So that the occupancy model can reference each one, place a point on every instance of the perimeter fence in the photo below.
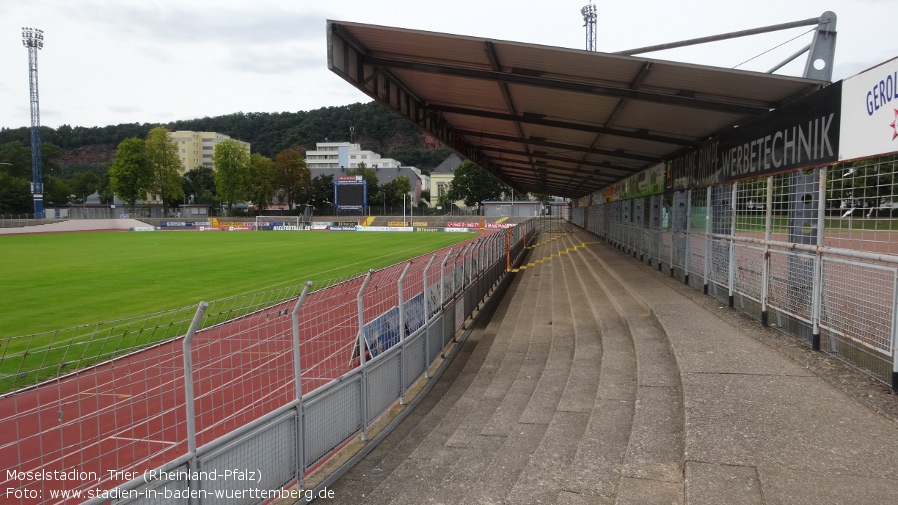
(813, 252)
(240, 397)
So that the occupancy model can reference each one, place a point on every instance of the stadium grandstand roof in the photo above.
(550, 120)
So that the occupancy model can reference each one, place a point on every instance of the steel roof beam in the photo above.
(541, 81)
(539, 155)
(567, 125)
(717, 38)
(558, 173)
(559, 145)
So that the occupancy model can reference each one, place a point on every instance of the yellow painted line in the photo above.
(502, 220)
(118, 395)
(551, 256)
(550, 240)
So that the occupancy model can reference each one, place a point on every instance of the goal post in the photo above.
(271, 222)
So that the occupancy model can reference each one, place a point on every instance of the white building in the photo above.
(334, 158)
(345, 155)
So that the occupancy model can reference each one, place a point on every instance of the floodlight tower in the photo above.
(33, 39)
(589, 21)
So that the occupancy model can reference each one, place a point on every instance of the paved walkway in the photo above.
(71, 225)
(592, 382)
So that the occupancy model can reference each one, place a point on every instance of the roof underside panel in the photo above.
(556, 121)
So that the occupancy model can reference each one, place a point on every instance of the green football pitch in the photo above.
(54, 281)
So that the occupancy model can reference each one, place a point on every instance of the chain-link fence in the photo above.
(814, 252)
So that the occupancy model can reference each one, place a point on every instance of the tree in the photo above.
(291, 175)
(19, 158)
(162, 158)
(473, 185)
(15, 195)
(107, 196)
(320, 192)
(370, 176)
(56, 191)
(261, 169)
(84, 184)
(395, 191)
(232, 172)
(199, 185)
(129, 175)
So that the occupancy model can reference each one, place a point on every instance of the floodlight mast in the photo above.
(589, 22)
(33, 39)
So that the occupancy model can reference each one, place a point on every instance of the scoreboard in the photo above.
(350, 194)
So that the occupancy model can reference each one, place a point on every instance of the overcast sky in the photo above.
(154, 61)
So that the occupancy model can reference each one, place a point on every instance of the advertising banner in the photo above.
(291, 227)
(869, 123)
(803, 133)
(184, 224)
(384, 228)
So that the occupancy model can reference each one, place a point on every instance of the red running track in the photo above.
(129, 414)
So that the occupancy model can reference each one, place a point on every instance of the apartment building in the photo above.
(196, 148)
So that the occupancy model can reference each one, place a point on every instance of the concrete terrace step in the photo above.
(654, 463)
(554, 404)
(565, 396)
(759, 427)
(416, 442)
(522, 418)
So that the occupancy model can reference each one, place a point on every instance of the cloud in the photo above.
(192, 22)
(277, 60)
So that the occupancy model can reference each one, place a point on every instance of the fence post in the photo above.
(297, 372)
(189, 396)
(443, 278)
(294, 317)
(672, 232)
(443, 290)
(508, 249)
(707, 266)
(427, 319)
(362, 361)
(687, 248)
(731, 270)
(456, 288)
(765, 273)
(816, 294)
(895, 338)
(401, 296)
(464, 268)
